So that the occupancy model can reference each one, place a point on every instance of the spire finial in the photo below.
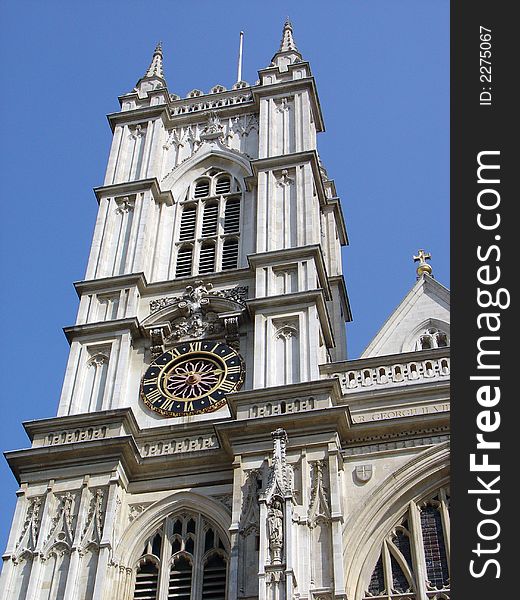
(156, 66)
(287, 44)
(423, 266)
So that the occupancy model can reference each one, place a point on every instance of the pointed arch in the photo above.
(209, 155)
(134, 538)
(385, 507)
(409, 342)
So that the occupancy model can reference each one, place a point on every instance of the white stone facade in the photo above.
(322, 478)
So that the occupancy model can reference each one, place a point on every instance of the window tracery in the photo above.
(432, 337)
(418, 545)
(185, 559)
(209, 225)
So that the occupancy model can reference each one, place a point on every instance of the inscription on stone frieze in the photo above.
(178, 446)
(402, 412)
(76, 435)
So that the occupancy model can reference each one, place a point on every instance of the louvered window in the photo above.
(223, 185)
(188, 222)
(179, 587)
(191, 563)
(210, 219)
(184, 260)
(210, 213)
(202, 188)
(207, 258)
(147, 577)
(232, 216)
(230, 254)
(214, 580)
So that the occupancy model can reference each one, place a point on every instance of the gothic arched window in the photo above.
(208, 233)
(421, 537)
(432, 337)
(185, 558)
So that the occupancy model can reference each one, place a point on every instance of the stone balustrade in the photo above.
(385, 372)
(201, 103)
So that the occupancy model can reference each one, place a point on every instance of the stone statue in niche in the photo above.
(275, 531)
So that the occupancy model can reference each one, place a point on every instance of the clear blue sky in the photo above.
(382, 71)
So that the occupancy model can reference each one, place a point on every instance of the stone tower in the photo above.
(211, 440)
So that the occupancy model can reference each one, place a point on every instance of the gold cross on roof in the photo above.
(423, 267)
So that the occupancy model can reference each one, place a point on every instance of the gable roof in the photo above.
(427, 303)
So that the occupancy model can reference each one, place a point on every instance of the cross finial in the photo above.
(423, 266)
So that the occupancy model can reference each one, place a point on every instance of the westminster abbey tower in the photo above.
(212, 441)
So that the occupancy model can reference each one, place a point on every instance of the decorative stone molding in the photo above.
(30, 530)
(92, 532)
(99, 359)
(280, 407)
(244, 124)
(195, 326)
(283, 105)
(157, 336)
(395, 445)
(179, 446)
(287, 330)
(70, 436)
(226, 500)
(137, 132)
(194, 104)
(213, 128)
(125, 204)
(280, 481)
(283, 179)
(200, 312)
(398, 435)
(237, 294)
(136, 510)
(319, 508)
(61, 533)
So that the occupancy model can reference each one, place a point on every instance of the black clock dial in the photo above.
(192, 378)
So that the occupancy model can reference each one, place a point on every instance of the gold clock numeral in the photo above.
(196, 346)
(152, 381)
(188, 405)
(227, 386)
(154, 396)
(167, 405)
(234, 369)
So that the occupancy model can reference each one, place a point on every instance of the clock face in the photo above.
(192, 378)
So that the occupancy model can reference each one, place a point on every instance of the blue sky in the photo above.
(382, 71)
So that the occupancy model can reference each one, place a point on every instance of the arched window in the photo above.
(207, 257)
(184, 261)
(214, 578)
(432, 337)
(422, 536)
(229, 254)
(210, 222)
(184, 559)
(202, 188)
(180, 578)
